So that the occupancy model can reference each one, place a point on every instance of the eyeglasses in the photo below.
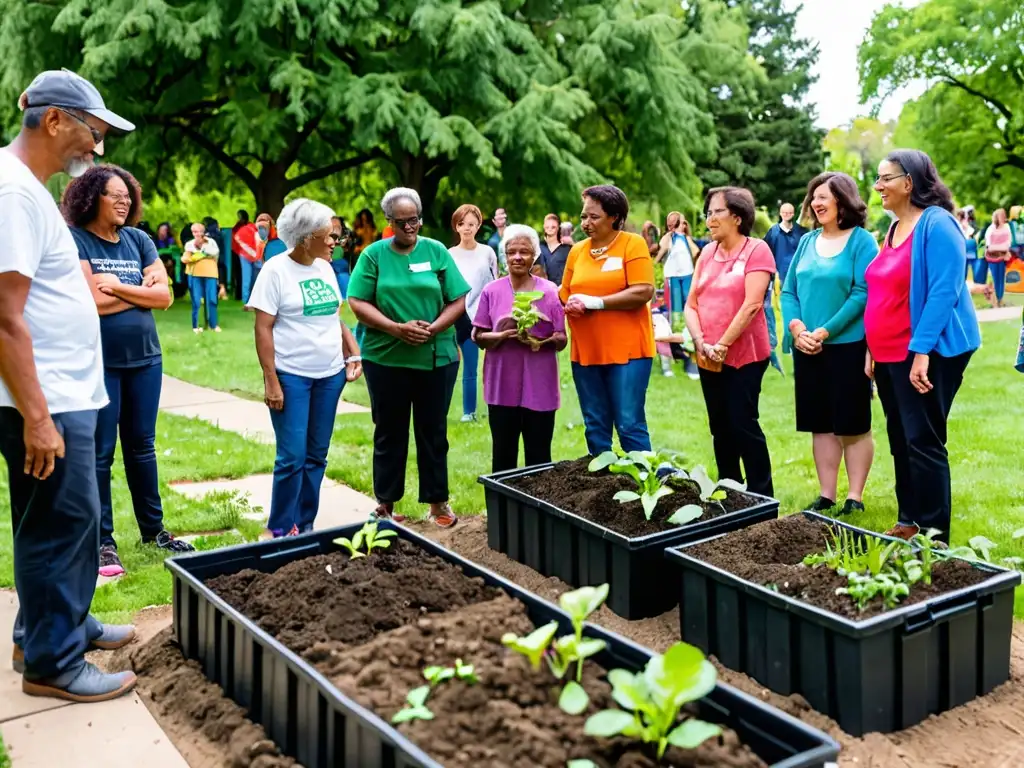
(889, 177)
(118, 198)
(96, 135)
(334, 237)
(406, 223)
(715, 213)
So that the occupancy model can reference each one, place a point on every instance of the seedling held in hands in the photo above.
(523, 312)
(651, 701)
(369, 537)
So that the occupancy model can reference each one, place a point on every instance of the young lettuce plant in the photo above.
(637, 465)
(369, 537)
(712, 492)
(579, 604)
(651, 701)
(523, 312)
(415, 706)
(534, 645)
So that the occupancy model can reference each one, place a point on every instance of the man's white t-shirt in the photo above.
(305, 301)
(60, 311)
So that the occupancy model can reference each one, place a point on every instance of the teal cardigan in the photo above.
(828, 293)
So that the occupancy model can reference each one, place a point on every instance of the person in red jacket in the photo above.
(244, 244)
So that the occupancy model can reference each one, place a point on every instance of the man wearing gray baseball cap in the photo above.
(51, 388)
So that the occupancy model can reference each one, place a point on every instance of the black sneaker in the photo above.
(164, 540)
(851, 506)
(821, 504)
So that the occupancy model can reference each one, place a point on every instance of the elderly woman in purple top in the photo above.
(521, 386)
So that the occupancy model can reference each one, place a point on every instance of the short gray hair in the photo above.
(392, 196)
(300, 219)
(521, 232)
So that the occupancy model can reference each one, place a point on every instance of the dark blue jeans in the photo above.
(134, 403)
(204, 288)
(470, 366)
(616, 395)
(303, 429)
(56, 545)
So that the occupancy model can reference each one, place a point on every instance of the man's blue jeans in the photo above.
(303, 429)
(249, 272)
(134, 403)
(614, 394)
(204, 288)
(470, 366)
(56, 524)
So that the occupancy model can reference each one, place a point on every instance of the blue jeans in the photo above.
(134, 403)
(998, 271)
(470, 366)
(614, 394)
(341, 271)
(249, 271)
(204, 288)
(303, 430)
(678, 290)
(56, 545)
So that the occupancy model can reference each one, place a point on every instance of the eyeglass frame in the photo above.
(890, 177)
(404, 224)
(96, 135)
(714, 213)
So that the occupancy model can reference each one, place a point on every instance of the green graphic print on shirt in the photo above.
(318, 298)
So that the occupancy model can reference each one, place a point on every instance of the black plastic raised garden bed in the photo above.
(558, 543)
(314, 722)
(884, 673)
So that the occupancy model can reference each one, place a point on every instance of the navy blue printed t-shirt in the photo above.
(129, 337)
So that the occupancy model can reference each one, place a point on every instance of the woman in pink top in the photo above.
(998, 241)
(730, 335)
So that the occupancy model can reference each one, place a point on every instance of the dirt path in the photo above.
(984, 733)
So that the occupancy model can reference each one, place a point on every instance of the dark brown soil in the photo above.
(404, 610)
(570, 486)
(772, 553)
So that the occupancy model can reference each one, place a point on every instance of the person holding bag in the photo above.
(724, 314)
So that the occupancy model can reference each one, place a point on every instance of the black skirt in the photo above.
(833, 396)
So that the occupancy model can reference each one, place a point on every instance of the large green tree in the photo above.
(971, 119)
(529, 96)
(858, 148)
(764, 122)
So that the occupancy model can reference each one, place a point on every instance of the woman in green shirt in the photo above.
(823, 302)
(408, 292)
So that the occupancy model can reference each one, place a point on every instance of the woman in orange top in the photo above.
(606, 287)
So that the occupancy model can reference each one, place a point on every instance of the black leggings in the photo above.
(509, 423)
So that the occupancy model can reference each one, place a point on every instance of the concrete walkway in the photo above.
(992, 315)
(44, 733)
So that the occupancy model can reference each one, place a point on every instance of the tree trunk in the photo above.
(271, 189)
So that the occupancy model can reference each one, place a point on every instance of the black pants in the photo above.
(395, 394)
(731, 396)
(537, 428)
(916, 425)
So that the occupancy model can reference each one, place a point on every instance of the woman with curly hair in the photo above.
(128, 283)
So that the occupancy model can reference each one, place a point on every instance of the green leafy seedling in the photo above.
(574, 700)
(465, 672)
(437, 675)
(416, 706)
(686, 514)
(523, 312)
(353, 544)
(983, 546)
(534, 645)
(369, 537)
(651, 701)
(579, 604)
(602, 461)
(710, 490)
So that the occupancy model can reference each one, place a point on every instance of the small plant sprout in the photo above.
(686, 514)
(534, 645)
(368, 537)
(651, 701)
(523, 312)
(415, 706)
(709, 490)
(437, 675)
(580, 604)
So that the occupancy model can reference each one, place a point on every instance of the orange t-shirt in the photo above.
(609, 335)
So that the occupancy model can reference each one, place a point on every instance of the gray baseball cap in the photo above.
(63, 88)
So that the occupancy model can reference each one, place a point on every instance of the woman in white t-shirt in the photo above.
(478, 265)
(307, 355)
(678, 252)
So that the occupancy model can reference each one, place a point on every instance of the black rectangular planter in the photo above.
(579, 552)
(884, 673)
(314, 722)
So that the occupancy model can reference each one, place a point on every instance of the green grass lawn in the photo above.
(5, 761)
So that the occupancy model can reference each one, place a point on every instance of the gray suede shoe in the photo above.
(86, 685)
(114, 636)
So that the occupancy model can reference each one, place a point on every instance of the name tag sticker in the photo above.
(611, 264)
(423, 266)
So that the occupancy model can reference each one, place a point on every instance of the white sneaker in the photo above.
(468, 418)
(217, 329)
(197, 331)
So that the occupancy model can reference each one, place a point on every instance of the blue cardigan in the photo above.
(942, 317)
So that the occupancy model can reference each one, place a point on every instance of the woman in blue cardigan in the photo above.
(921, 332)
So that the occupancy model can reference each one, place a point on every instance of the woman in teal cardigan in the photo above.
(921, 330)
(823, 302)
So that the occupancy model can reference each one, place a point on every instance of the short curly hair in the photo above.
(81, 201)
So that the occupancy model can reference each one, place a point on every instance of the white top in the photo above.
(679, 262)
(305, 301)
(830, 247)
(60, 310)
(478, 267)
(209, 247)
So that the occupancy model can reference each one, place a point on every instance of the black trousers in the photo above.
(916, 425)
(395, 394)
(732, 396)
(508, 424)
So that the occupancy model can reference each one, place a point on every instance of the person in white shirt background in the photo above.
(51, 390)
(201, 254)
(307, 355)
(478, 265)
